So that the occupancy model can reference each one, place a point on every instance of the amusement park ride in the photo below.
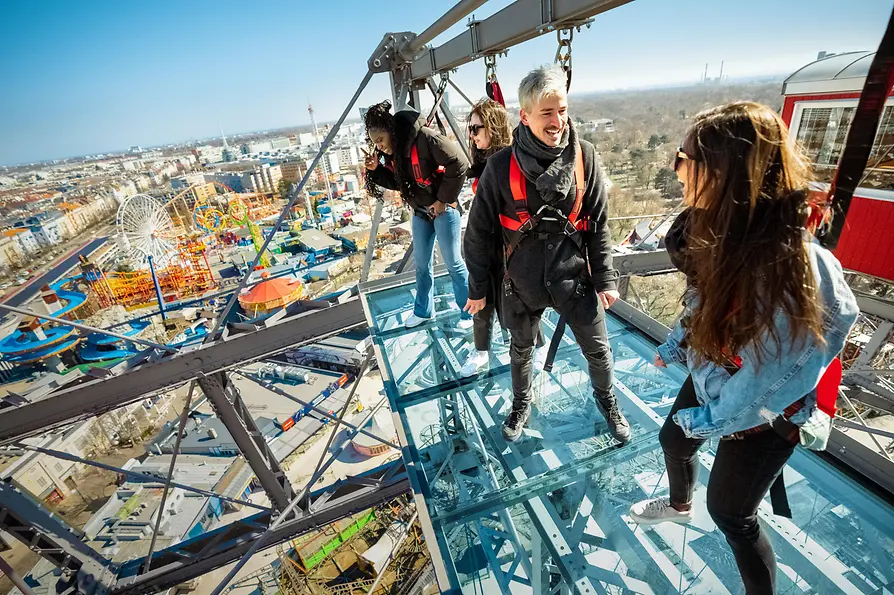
(547, 514)
(161, 257)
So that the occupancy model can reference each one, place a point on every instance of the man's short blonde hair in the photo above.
(546, 81)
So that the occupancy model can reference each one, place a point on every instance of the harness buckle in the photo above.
(528, 225)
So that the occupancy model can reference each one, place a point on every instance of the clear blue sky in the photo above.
(97, 76)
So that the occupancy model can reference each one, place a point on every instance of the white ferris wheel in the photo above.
(145, 230)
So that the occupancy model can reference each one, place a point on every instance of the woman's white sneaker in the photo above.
(414, 320)
(464, 324)
(658, 510)
(476, 362)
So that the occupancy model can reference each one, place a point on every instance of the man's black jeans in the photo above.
(592, 337)
(742, 474)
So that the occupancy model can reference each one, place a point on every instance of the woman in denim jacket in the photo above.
(766, 312)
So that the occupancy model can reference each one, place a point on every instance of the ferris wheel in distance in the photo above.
(145, 230)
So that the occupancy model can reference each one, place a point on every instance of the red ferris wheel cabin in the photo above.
(820, 102)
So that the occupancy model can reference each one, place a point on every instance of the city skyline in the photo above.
(100, 78)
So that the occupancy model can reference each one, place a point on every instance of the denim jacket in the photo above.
(754, 396)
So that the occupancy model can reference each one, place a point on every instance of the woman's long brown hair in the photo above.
(496, 122)
(747, 235)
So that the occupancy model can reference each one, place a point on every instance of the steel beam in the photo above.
(876, 306)
(371, 243)
(228, 404)
(450, 18)
(51, 538)
(212, 550)
(85, 400)
(520, 21)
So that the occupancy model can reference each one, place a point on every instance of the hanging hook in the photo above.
(563, 52)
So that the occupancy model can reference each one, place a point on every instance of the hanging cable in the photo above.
(563, 53)
(491, 86)
(439, 97)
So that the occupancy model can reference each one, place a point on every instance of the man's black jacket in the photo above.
(544, 269)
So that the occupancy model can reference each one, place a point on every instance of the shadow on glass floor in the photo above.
(549, 512)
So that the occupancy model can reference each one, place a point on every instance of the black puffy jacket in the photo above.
(434, 150)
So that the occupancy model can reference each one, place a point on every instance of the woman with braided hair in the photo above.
(428, 170)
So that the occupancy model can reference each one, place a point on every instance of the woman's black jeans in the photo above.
(742, 474)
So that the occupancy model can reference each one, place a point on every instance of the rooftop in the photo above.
(835, 73)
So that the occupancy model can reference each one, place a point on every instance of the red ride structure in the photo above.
(820, 104)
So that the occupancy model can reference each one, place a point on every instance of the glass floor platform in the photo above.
(548, 514)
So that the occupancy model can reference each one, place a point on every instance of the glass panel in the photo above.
(499, 511)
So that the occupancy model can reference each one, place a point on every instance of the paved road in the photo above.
(62, 266)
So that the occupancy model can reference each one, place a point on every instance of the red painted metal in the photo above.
(867, 242)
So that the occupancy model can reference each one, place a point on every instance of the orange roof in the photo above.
(14, 231)
(271, 291)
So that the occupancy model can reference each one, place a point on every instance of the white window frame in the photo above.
(798, 110)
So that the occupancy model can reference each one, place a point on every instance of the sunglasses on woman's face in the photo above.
(475, 128)
(680, 157)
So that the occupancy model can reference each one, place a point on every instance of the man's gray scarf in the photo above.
(550, 168)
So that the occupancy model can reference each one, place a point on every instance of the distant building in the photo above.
(10, 254)
(24, 239)
(316, 242)
(352, 185)
(260, 147)
(264, 178)
(45, 477)
(291, 171)
(280, 143)
(209, 154)
(307, 139)
(349, 156)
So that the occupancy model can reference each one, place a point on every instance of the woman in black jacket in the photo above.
(428, 169)
(489, 132)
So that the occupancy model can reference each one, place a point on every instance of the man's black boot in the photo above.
(515, 421)
(617, 423)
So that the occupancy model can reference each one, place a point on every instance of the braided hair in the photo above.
(379, 117)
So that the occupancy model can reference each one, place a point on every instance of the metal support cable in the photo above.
(134, 475)
(261, 540)
(184, 415)
(14, 576)
(364, 366)
(451, 120)
(460, 91)
(294, 195)
(672, 213)
(272, 388)
(371, 241)
(88, 328)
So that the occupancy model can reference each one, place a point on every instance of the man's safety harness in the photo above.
(525, 223)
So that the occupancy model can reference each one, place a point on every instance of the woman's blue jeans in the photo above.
(446, 228)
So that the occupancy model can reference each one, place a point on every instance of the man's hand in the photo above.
(475, 306)
(659, 363)
(608, 298)
(438, 209)
(371, 162)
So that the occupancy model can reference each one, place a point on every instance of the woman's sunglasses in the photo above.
(475, 128)
(680, 157)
